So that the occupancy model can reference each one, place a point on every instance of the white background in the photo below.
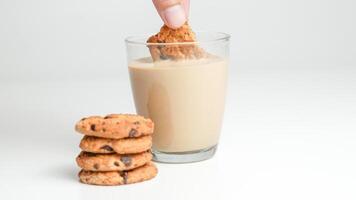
(290, 122)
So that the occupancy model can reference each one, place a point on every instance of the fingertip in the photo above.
(174, 17)
(186, 6)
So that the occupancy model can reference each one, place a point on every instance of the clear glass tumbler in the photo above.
(184, 98)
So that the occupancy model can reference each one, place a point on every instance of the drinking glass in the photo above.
(185, 98)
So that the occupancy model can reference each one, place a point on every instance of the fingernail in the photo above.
(174, 16)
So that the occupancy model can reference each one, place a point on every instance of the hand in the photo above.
(174, 13)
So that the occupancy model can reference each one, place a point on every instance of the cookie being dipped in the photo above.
(179, 44)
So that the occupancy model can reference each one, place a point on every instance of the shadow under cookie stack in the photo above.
(115, 149)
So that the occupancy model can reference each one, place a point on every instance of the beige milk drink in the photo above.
(185, 99)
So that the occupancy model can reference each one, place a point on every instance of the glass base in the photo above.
(184, 157)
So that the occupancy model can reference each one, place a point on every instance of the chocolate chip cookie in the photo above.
(120, 146)
(143, 173)
(175, 51)
(112, 162)
(115, 126)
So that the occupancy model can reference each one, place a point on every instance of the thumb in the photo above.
(173, 12)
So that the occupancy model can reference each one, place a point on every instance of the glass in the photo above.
(184, 98)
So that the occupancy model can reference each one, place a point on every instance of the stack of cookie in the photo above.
(116, 149)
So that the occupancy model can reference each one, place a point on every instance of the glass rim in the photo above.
(135, 39)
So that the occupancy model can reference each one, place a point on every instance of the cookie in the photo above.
(112, 162)
(115, 126)
(175, 51)
(140, 174)
(120, 146)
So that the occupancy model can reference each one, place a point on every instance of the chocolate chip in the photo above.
(104, 129)
(89, 154)
(107, 148)
(124, 176)
(126, 160)
(133, 132)
(92, 127)
(83, 119)
(163, 57)
(136, 123)
(116, 163)
(96, 166)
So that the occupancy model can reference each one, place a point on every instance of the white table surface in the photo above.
(288, 134)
